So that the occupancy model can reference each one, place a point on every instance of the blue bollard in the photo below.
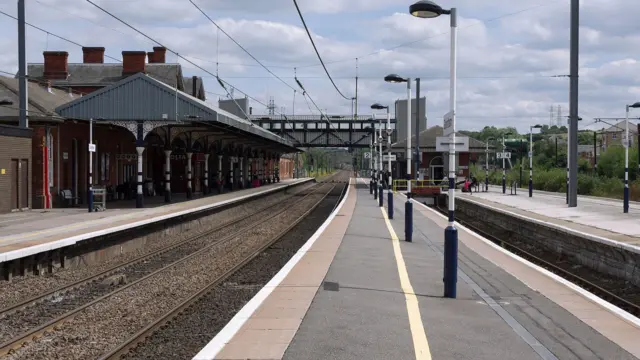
(504, 185)
(390, 204)
(530, 187)
(450, 261)
(408, 220)
(375, 190)
(380, 196)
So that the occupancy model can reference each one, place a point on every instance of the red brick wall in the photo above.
(112, 140)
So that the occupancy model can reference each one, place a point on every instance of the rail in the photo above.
(17, 341)
(141, 336)
(632, 306)
(421, 187)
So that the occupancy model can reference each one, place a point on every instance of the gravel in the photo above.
(184, 336)
(22, 288)
(99, 327)
(40, 313)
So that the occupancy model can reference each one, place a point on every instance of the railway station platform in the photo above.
(357, 290)
(594, 216)
(28, 233)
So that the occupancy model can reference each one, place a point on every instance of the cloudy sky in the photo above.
(509, 51)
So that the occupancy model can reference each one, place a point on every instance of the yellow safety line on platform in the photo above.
(420, 343)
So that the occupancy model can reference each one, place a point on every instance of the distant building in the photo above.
(614, 135)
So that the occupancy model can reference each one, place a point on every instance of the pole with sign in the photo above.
(92, 149)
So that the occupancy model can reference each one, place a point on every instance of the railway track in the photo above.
(616, 291)
(123, 350)
(35, 317)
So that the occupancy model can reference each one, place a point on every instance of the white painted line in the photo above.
(16, 254)
(605, 304)
(225, 335)
(568, 230)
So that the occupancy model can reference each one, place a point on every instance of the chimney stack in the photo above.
(93, 55)
(160, 54)
(151, 57)
(133, 62)
(195, 86)
(56, 65)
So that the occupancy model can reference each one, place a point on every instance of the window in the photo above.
(614, 136)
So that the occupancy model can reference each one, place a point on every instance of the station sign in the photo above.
(503, 155)
(448, 124)
(443, 144)
(367, 155)
(385, 157)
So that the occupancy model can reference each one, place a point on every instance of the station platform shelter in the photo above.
(149, 139)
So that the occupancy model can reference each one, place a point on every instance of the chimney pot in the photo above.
(56, 65)
(93, 55)
(160, 54)
(133, 62)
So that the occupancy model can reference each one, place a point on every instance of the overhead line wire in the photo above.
(52, 34)
(316, 49)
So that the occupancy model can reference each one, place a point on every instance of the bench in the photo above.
(67, 197)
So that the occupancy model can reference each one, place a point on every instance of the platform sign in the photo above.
(530, 153)
(385, 157)
(92, 147)
(443, 143)
(504, 155)
(448, 124)
(367, 155)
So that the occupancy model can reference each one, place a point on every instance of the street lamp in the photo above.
(371, 182)
(408, 206)
(569, 159)
(626, 157)
(504, 169)
(376, 181)
(378, 106)
(486, 161)
(428, 9)
(531, 157)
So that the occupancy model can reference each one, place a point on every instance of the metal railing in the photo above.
(418, 186)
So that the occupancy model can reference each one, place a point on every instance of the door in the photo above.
(24, 184)
(15, 184)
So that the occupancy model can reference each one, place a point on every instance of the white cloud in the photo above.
(504, 60)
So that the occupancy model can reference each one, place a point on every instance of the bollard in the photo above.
(504, 185)
(375, 190)
(530, 186)
(390, 204)
(408, 219)
(380, 196)
(370, 186)
(450, 261)
(486, 184)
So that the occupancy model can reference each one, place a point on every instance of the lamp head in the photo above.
(635, 105)
(378, 106)
(394, 78)
(426, 9)
(537, 126)
(6, 102)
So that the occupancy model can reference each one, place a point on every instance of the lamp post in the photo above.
(378, 106)
(428, 9)
(504, 168)
(375, 164)
(531, 157)
(570, 200)
(371, 166)
(626, 157)
(92, 149)
(486, 168)
(408, 206)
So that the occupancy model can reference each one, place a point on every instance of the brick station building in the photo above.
(60, 143)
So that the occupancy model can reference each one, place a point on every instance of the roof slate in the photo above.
(107, 74)
(42, 101)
